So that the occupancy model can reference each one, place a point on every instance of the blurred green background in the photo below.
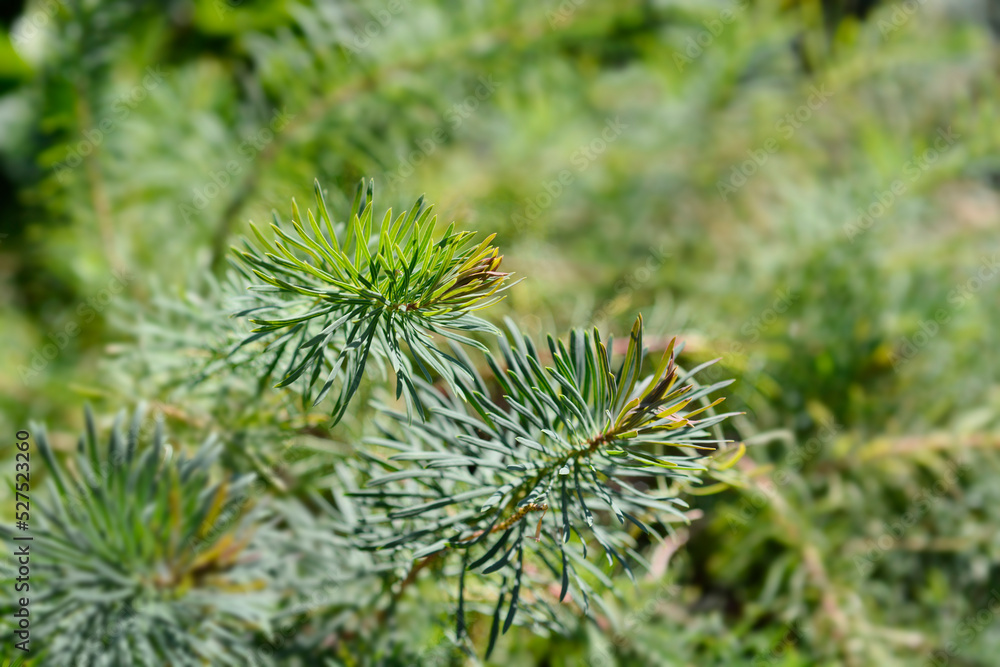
(808, 190)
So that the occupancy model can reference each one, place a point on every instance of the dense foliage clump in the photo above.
(805, 191)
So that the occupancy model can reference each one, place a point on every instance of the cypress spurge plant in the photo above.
(349, 290)
(570, 451)
(133, 565)
(522, 477)
(514, 473)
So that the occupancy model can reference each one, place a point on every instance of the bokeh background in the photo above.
(809, 190)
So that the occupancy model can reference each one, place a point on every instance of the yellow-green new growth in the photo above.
(348, 290)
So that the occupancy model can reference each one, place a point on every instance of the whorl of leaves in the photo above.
(141, 565)
(339, 292)
(572, 448)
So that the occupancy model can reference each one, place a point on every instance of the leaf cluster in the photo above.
(569, 451)
(139, 565)
(340, 292)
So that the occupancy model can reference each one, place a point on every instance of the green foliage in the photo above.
(575, 444)
(355, 289)
(574, 436)
(134, 567)
(497, 108)
(563, 437)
